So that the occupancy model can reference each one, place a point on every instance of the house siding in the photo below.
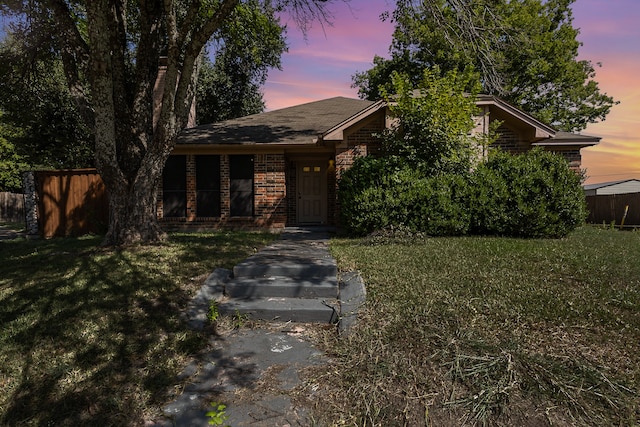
(510, 141)
(572, 156)
(359, 143)
(270, 190)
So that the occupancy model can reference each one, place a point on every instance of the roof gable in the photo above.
(336, 133)
(541, 130)
(544, 135)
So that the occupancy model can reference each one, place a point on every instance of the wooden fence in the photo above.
(71, 202)
(609, 209)
(11, 207)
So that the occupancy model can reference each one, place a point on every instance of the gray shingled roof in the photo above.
(300, 124)
(568, 139)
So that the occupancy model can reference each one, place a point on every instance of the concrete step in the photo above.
(318, 310)
(285, 268)
(288, 259)
(282, 287)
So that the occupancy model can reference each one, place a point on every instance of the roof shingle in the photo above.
(300, 124)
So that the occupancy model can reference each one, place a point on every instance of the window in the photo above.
(241, 185)
(208, 186)
(174, 187)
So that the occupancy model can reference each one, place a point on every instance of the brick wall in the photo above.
(572, 156)
(510, 141)
(270, 190)
(359, 144)
(291, 181)
(191, 187)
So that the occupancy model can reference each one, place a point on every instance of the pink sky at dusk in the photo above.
(322, 66)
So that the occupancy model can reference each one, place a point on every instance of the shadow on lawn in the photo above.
(92, 336)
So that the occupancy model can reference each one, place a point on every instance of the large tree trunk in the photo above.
(129, 155)
(132, 215)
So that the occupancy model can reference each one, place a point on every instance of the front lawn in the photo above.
(91, 336)
(485, 330)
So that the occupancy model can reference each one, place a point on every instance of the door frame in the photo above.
(323, 164)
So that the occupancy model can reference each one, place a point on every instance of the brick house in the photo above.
(281, 168)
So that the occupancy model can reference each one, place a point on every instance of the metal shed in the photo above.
(615, 187)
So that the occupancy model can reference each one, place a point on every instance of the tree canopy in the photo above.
(11, 162)
(36, 100)
(525, 50)
(433, 132)
(230, 86)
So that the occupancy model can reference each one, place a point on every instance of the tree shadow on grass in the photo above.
(91, 336)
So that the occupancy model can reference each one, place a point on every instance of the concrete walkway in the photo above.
(259, 373)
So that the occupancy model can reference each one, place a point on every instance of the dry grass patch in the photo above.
(490, 331)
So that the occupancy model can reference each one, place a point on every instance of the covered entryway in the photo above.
(312, 191)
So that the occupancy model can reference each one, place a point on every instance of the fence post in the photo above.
(30, 204)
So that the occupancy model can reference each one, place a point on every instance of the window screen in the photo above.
(174, 187)
(241, 185)
(208, 186)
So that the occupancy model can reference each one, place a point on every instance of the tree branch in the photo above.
(75, 57)
(99, 13)
(147, 56)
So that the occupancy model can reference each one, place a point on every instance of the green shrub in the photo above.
(488, 199)
(433, 131)
(437, 206)
(366, 202)
(376, 194)
(529, 195)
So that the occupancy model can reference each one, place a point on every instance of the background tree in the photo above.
(230, 86)
(525, 50)
(11, 162)
(117, 44)
(37, 101)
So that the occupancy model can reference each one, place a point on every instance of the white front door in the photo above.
(312, 192)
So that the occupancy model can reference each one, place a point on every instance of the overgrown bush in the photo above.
(433, 131)
(437, 205)
(376, 194)
(529, 195)
(366, 202)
